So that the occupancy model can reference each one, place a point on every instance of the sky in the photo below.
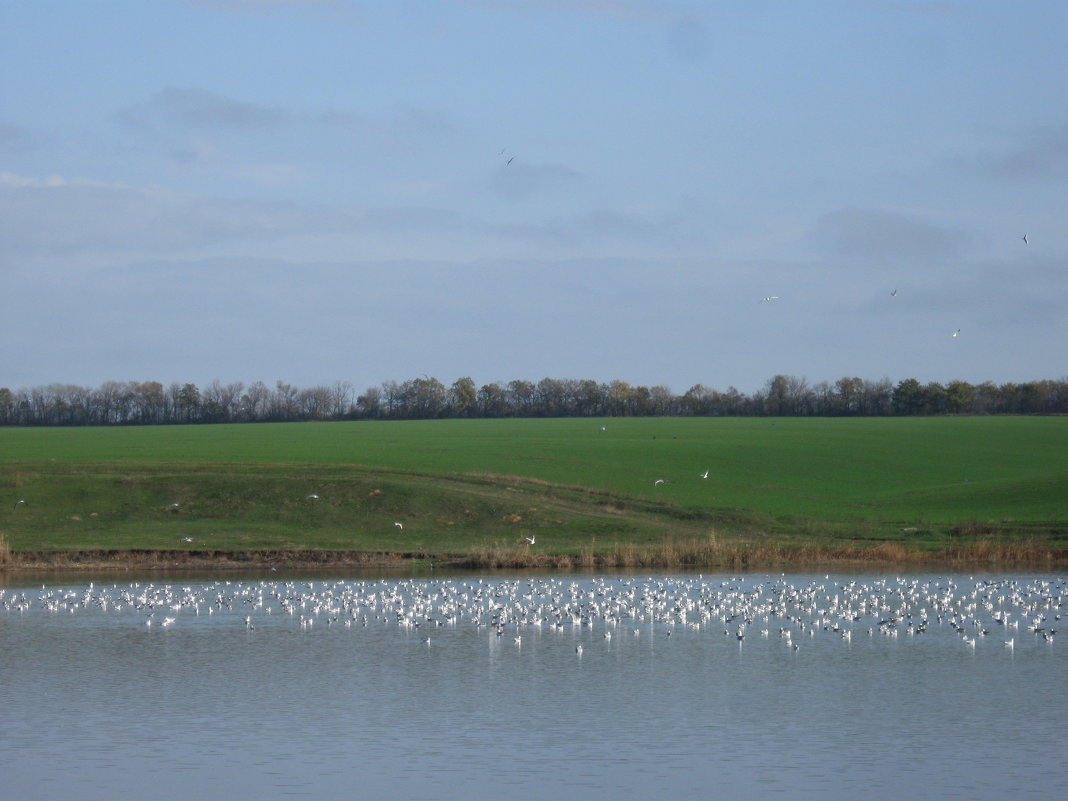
(315, 191)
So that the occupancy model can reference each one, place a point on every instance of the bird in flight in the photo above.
(1024, 238)
(312, 497)
(399, 525)
(658, 482)
(893, 293)
(529, 539)
(704, 474)
(956, 332)
(769, 298)
(16, 506)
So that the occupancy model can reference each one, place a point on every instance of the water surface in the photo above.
(715, 686)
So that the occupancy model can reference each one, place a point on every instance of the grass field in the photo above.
(476, 489)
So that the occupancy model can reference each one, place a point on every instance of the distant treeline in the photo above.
(150, 403)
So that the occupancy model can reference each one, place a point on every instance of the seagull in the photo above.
(769, 298)
(399, 525)
(704, 474)
(529, 539)
(311, 497)
(1024, 238)
(658, 482)
(187, 539)
(509, 161)
(893, 293)
(956, 332)
(16, 506)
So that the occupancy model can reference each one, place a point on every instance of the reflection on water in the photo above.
(686, 686)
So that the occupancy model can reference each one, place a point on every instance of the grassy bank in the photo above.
(587, 491)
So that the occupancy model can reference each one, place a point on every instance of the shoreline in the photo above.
(727, 557)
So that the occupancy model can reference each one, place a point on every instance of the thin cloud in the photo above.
(199, 109)
(878, 234)
(58, 217)
(1043, 154)
(518, 180)
(263, 5)
(15, 139)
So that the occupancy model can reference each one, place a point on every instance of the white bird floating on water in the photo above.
(537, 609)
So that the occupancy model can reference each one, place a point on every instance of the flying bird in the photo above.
(956, 332)
(1024, 238)
(704, 474)
(399, 525)
(893, 294)
(311, 497)
(16, 506)
(769, 298)
(529, 539)
(658, 482)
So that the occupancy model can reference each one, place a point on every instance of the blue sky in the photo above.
(324, 190)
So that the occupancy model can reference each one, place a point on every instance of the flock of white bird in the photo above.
(1002, 611)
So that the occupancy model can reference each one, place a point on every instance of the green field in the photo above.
(461, 486)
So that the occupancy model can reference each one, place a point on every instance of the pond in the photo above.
(828, 686)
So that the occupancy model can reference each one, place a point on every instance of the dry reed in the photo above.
(708, 552)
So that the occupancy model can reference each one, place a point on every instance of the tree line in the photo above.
(150, 403)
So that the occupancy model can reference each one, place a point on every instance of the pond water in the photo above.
(594, 687)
